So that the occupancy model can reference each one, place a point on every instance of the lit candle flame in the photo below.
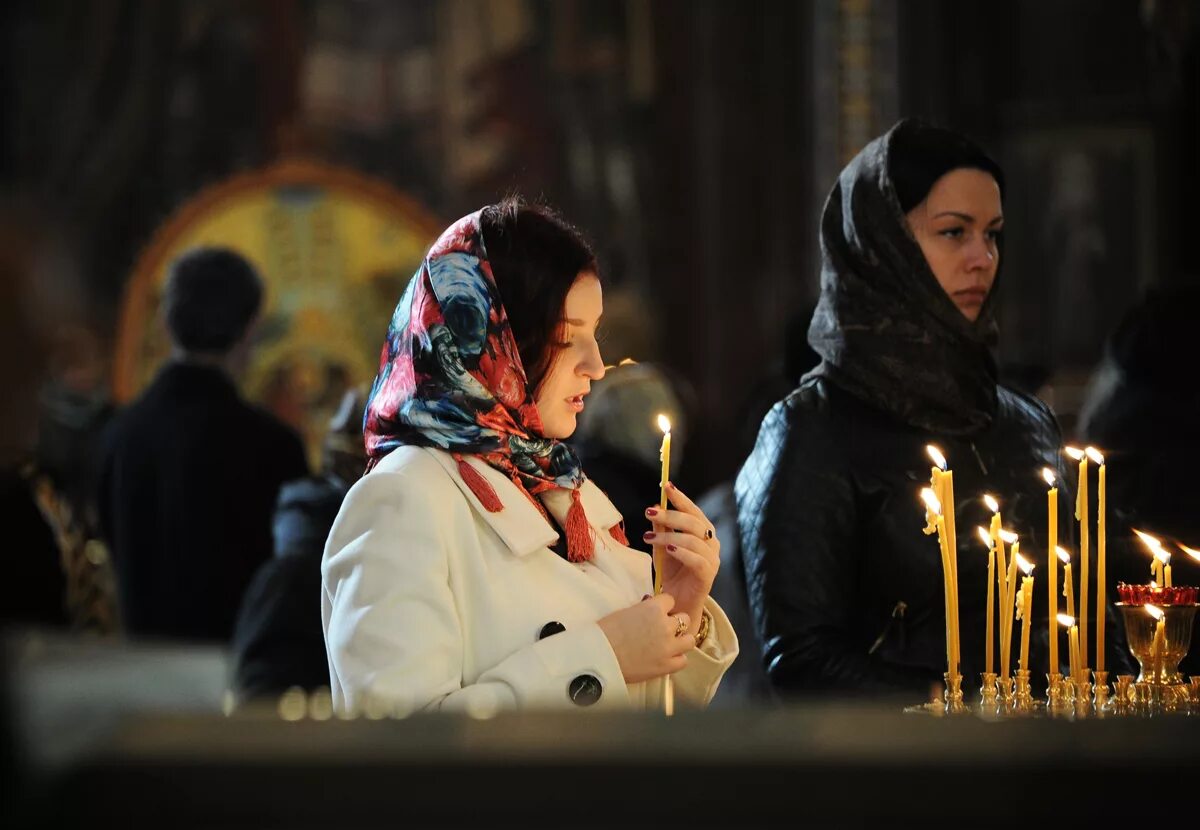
(664, 423)
(1074, 452)
(1024, 564)
(1095, 455)
(629, 361)
(1064, 619)
(1063, 555)
(1048, 474)
(1148, 540)
(1154, 611)
(986, 537)
(936, 455)
(931, 501)
(1162, 556)
(1192, 552)
(1008, 536)
(991, 503)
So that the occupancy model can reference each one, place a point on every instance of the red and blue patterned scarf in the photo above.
(450, 377)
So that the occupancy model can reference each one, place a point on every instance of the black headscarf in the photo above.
(885, 329)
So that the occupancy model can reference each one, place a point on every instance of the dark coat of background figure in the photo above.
(1143, 412)
(845, 589)
(278, 641)
(189, 476)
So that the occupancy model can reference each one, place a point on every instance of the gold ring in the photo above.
(681, 625)
(708, 534)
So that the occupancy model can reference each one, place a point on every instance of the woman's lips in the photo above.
(576, 403)
(972, 296)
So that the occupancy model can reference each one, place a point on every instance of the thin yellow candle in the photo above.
(664, 453)
(1159, 646)
(1101, 553)
(1165, 558)
(1073, 634)
(941, 475)
(1001, 564)
(1068, 583)
(1081, 513)
(990, 648)
(1025, 603)
(1068, 622)
(1051, 548)
(935, 522)
(1009, 610)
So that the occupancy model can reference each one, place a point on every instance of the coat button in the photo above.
(550, 629)
(585, 690)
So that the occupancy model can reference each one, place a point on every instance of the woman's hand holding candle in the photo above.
(692, 553)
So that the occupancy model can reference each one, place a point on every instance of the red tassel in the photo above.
(479, 486)
(579, 532)
(617, 531)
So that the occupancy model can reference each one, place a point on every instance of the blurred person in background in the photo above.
(278, 641)
(845, 589)
(189, 472)
(475, 567)
(1141, 411)
(618, 439)
(746, 681)
(39, 298)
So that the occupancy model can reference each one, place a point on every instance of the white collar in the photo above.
(520, 524)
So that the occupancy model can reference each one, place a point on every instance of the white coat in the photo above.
(431, 602)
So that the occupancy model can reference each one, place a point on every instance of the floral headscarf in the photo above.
(450, 377)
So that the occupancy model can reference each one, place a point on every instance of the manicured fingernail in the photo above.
(648, 535)
(670, 485)
(652, 511)
(672, 548)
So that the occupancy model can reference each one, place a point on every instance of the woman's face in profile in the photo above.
(958, 227)
(560, 395)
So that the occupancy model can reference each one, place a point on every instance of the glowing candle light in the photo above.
(941, 480)
(1051, 545)
(1025, 608)
(937, 522)
(989, 649)
(1081, 513)
(1156, 561)
(1192, 552)
(1101, 553)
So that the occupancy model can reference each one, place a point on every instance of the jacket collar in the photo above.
(521, 525)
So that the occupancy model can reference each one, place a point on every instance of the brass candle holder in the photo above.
(1139, 630)
(1123, 694)
(1023, 700)
(987, 691)
(1055, 695)
(1005, 693)
(1100, 690)
(954, 694)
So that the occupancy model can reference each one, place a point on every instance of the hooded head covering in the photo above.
(885, 329)
(450, 377)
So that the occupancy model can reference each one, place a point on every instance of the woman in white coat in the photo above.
(475, 567)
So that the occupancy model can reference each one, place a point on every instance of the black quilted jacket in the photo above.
(845, 589)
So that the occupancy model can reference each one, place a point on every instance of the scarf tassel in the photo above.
(479, 486)
(579, 533)
(617, 531)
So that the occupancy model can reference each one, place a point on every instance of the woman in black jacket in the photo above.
(845, 588)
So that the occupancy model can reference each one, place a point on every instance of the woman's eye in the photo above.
(951, 233)
(995, 235)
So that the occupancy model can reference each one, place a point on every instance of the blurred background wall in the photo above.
(693, 140)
